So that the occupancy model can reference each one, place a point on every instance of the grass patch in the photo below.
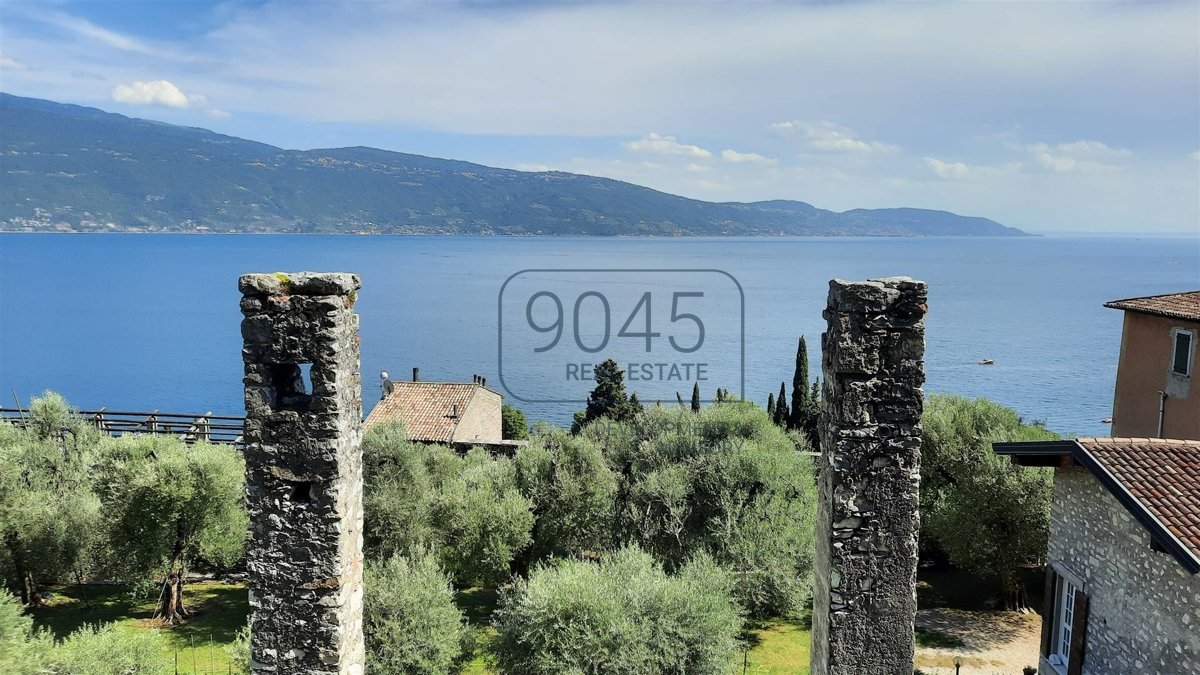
(938, 640)
(219, 610)
(777, 646)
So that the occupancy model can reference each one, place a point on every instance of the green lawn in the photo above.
(219, 611)
(777, 647)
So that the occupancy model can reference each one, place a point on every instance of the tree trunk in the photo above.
(82, 589)
(25, 586)
(170, 605)
(1014, 593)
(29, 590)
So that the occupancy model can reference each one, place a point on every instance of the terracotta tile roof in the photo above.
(1162, 475)
(427, 408)
(1184, 305)
(1157, 480)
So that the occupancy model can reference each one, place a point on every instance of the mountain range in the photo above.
(71, 168)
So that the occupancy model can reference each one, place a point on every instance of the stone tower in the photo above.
(867, 523)
(303, 441)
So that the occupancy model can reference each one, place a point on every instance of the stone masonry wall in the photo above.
(1144, 607)
(303, 472)
(866, 559)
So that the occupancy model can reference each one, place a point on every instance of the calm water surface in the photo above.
(151, 321)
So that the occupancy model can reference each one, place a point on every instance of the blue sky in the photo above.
(1049, 116)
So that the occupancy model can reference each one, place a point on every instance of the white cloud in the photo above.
(958, 171)
(217, 113)
(693, 167)
(655, 144)
(9, 63)
(1195, 155)
(109, 38)
(747, 158)
(158, 92)
(948, 170)
(535, 168)
(1077, 156)
(1092, 149)
(829, 137)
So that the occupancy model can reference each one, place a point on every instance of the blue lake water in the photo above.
(147, 322)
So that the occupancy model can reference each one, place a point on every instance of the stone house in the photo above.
(1155, 373)
(1123, 574)
(459, 414)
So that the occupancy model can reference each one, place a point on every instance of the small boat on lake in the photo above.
(986, 362)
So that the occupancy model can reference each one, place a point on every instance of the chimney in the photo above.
(416, 374)
(482, 381)
(454, 410)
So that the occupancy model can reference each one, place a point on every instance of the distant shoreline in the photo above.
(1022, 235)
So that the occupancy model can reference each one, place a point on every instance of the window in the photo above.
(1064, 621)
(1181, 359)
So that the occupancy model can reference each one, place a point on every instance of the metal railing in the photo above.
(190, 427)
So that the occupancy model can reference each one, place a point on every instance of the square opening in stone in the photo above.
(300, 491)
(292, 385)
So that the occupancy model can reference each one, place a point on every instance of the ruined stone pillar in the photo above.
(866, 560)
(303, 438)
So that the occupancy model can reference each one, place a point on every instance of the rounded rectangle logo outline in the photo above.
(500, 319)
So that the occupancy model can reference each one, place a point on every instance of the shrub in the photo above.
(410, 620)
(239, 651)
(623, 614)
(105, 650)
(22, 648)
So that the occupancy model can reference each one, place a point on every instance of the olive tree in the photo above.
(725, 481)
(989, 516)
(468, 509)
(168, 506)
(48, 512)
(571, 486)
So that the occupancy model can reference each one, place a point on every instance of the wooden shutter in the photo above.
(1048, 617)
(1078, 633)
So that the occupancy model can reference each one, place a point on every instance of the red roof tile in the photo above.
(430, 410)
(1174, 305)
(1162, 475)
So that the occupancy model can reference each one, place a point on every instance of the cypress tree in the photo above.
(696, 397)
(812, 419)
(771, 407)
(781, 407)
(800, 403)
(608, 399)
